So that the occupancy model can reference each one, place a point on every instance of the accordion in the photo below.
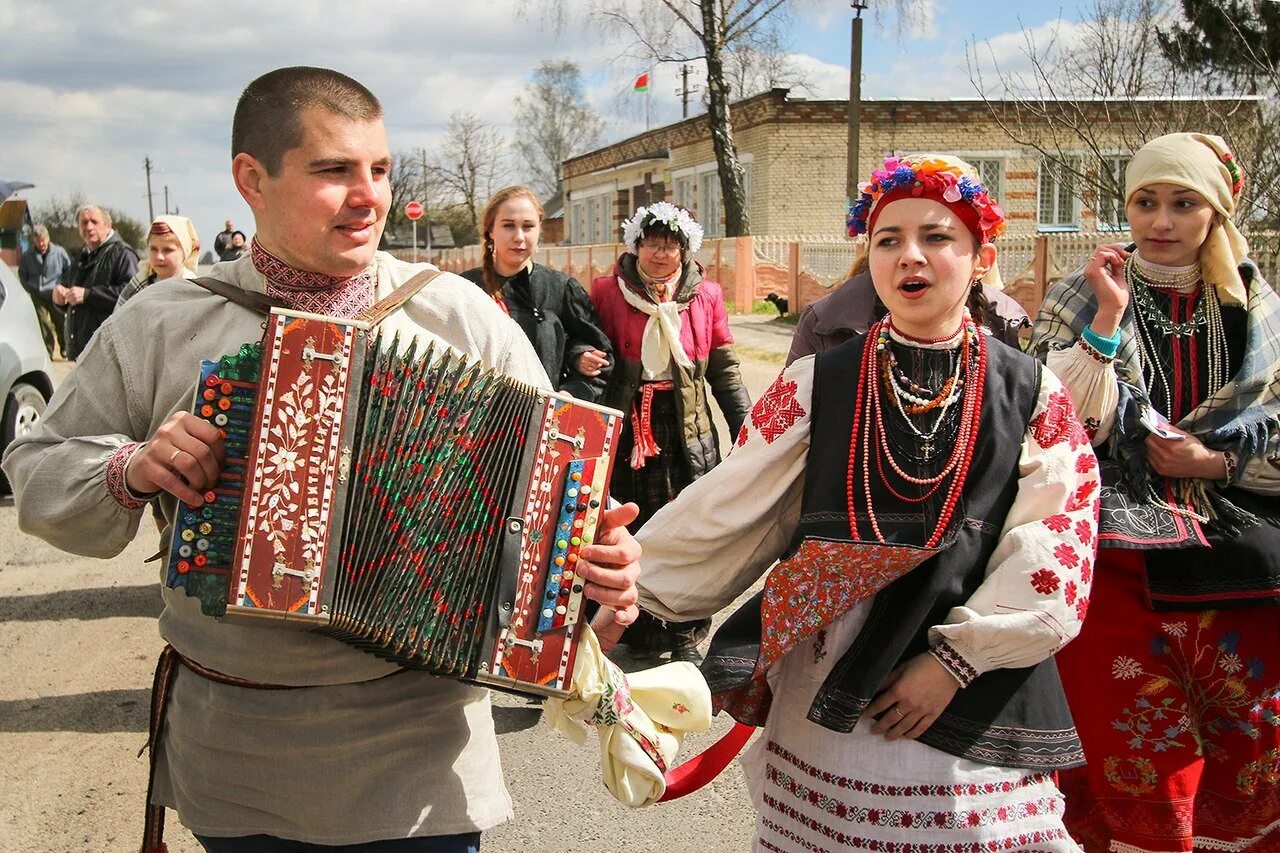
(407, 501)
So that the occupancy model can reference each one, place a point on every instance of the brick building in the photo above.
(793, 151)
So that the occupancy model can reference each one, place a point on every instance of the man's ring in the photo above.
(899, 713)
(174, 455)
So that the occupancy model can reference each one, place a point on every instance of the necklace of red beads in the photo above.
(869, 447)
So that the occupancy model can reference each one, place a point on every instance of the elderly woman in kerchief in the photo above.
(671, 341)
(172, 251)
(1169, 347)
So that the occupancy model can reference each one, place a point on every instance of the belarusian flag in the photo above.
(642, 83)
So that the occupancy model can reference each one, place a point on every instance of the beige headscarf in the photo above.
(184, 231)
(1200, 162)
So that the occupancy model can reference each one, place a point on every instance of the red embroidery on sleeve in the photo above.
(1045, 581)
(1058, 422)
(776, 412)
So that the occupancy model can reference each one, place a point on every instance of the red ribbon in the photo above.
(707, 765)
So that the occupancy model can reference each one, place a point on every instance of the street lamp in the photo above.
(855, 97)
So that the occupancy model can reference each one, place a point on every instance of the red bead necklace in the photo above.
(868, 442)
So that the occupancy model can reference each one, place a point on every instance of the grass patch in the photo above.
(757, 354)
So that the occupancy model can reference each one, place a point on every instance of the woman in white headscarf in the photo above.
(671, 341)
(172, 251)
(1169, 348)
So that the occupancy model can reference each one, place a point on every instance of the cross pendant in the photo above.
(927, 449)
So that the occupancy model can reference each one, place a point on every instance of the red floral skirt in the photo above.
(1179, 713)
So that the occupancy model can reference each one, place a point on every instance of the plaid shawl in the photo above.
(1243, 416)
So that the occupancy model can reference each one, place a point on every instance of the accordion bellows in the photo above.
(407, 501)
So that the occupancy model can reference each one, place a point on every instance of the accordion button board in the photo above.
(401, 499)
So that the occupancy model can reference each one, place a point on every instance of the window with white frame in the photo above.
(684, 192)
(1111, 212)
(1059, 188)
(578, 223)
(604, 226)
(709, 203)
(991, 172)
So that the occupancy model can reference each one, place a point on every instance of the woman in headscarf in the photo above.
(551, 307)
(931, 495)
(670, 333)
(172, 251)
(1170, 347)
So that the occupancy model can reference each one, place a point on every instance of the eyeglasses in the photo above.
(655, 247)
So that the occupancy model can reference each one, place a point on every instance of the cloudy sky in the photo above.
(88, 89)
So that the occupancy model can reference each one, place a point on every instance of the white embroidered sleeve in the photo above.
(725, 530)
(1037, 586)
(1093, 386)
(67, 473)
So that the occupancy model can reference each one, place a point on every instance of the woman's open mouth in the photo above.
(913, 288)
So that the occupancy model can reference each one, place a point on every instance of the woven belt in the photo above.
(642, 422)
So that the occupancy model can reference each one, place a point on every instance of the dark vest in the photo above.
(1006, 717)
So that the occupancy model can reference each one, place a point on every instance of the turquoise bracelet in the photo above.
(1105, 346)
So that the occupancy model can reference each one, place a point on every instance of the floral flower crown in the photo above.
(929, 178)
(666, 213)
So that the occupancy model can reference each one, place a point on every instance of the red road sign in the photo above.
(413, 210)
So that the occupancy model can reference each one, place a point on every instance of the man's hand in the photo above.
(75, 295)
(1186, 457)
(61, 293)
(913, 696)
(610, 566)
(183, 458)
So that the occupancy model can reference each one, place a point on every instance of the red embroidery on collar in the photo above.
(313, 292)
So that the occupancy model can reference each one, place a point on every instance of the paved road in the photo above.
(78, 642)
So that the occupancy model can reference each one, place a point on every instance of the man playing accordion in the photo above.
(315, 742)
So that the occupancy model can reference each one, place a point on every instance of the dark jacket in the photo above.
(853, 307)
(704, 332)
(559, 320)
(103, 273)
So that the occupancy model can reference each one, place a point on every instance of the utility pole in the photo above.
(684, 89)
(166, 199)
(151, 208)
(426, 206)
(855, 100)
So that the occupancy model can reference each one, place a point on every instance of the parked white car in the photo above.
(26, 373)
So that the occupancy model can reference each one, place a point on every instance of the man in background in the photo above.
(42, 268)
(102, 269)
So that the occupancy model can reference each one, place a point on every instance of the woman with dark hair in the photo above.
(551, 307)
(853, 307)
(670, 331)
(1169, 348)
(931, 497)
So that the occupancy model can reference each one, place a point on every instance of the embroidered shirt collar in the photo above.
(317, 293)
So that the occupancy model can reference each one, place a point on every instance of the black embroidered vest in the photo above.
(1006, 717)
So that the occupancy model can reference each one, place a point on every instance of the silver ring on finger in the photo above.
(899, 712)
(174, 455)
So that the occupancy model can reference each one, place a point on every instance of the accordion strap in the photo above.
(391, 303)
(258, 302)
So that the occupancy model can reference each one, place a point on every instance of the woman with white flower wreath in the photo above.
(671, 342)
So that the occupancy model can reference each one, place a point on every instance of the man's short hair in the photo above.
(41, 231)
(268, 119)
(102, 211)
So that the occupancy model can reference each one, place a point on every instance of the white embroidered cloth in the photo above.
(640, 718)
